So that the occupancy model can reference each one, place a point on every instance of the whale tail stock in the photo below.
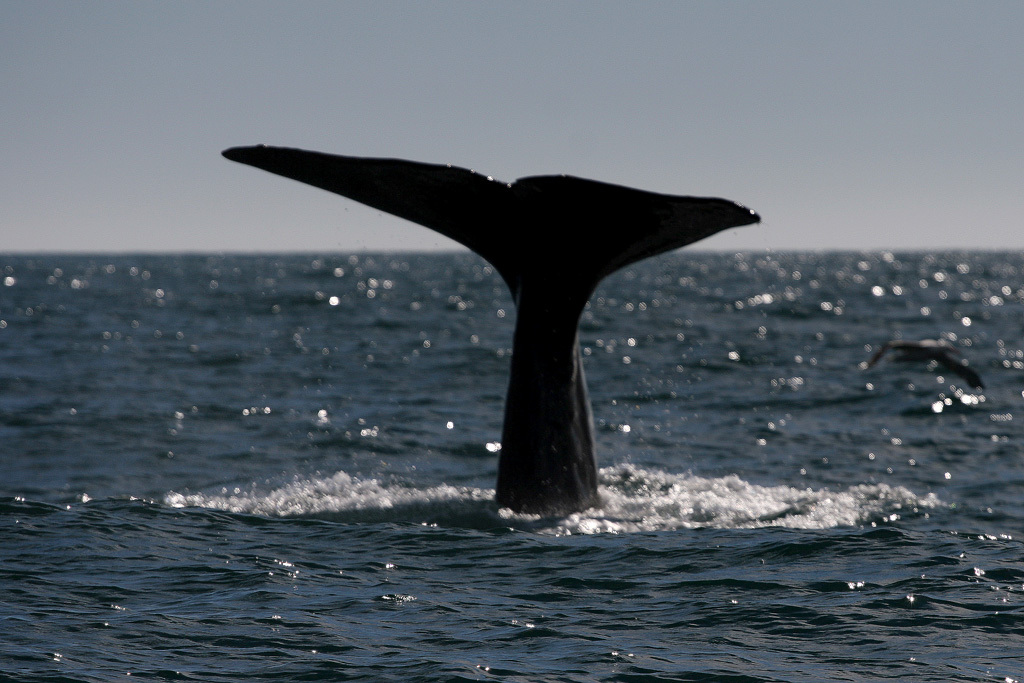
(543, 234)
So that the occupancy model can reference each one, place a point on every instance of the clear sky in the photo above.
(850, 125)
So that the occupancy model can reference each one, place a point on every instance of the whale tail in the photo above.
(513, 225)
(543, 234)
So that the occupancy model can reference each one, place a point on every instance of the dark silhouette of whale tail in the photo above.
(552, 239)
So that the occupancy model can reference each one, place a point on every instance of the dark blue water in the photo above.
(281, 468)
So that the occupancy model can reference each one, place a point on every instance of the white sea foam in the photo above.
(634, 500)
(337, 494)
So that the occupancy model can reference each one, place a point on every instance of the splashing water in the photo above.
(634, 500)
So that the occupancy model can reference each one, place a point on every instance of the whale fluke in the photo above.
(552, 239)
(937, 351)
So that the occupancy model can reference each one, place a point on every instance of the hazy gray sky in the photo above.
(855, 125)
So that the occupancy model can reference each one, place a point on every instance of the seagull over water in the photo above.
(937, 351)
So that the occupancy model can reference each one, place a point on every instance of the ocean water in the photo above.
(281, 468)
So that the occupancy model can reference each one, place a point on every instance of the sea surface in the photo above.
(281, 468)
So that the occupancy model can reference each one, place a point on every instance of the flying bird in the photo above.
(937, 351)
